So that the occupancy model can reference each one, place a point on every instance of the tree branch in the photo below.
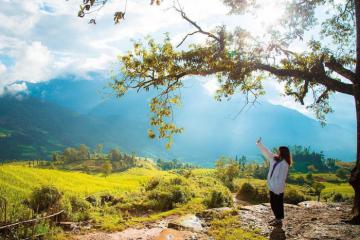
(200, 30)
(340, 69)
(325, 80)
(187, 35)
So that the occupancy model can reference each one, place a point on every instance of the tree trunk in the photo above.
(355, 173)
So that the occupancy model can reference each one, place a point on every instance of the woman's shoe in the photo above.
(272, 220)
(276, 222)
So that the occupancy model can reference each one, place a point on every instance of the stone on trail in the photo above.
(187, 222)
(312, 204)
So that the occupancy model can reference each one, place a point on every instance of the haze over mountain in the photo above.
(67, 112)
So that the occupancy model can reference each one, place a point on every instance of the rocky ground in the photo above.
(307, 220)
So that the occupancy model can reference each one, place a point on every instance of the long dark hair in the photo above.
(284, 154)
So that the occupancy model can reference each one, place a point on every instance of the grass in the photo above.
(229, 228)
(17, 181)
(343, 188)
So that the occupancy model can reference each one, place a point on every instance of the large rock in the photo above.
(312, 204)
(187, 222)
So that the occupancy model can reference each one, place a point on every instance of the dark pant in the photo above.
(277, 204)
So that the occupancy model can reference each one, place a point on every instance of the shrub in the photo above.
(293, 196)
(176, 181)
(218, 198)
(44, 199)
(166, 198)
(187, 173)
(338, 197)
(78, 205)
(250, 193)
(152, 184)
(342, 173)
(246, 192)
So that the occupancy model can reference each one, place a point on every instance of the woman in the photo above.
(278, 171)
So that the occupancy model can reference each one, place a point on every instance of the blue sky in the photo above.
(42, 39)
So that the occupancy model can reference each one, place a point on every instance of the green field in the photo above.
(17, 181)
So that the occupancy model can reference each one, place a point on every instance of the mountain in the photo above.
(31, 128)
(212, 128)
(67, 112)
(70, 92)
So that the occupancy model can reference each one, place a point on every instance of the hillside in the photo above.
(32, 129)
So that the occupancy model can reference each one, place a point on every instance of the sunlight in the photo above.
(267, 14)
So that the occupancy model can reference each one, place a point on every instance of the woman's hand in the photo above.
(258, 141)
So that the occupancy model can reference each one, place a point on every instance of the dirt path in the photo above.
(308, 220)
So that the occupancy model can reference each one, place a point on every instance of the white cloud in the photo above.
(34, 64)
(15, 88)
(210, 85)
(2, 68)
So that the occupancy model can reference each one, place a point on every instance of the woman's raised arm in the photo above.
(268, 155)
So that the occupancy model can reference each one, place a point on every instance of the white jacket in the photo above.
(276, 183)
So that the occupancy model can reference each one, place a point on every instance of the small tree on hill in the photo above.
(318, 187)
(106, 168)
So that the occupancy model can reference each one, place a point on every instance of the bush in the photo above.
(152, 184)
(163, 194)
(246, 192)
(293, 196)
(187, 173)
(167, 198)
(176, 181)
(218, 198)
(250, 193)
(338, 197)
(45, 199)
(78, 205)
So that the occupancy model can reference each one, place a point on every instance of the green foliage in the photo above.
(306, 160)
(230, 228)
(152, 184)
(342, 173)
(106, 168)
(317, 188)
(336, 197)
(309, 177)
(45, 199)
(71, 154)
(218, 198)
(227, 170)
(174, 164)
(294, 196)
(250, 193)
(159, 195)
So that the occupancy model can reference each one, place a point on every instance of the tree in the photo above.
(106, 168)
(318, 187)
(312, 168)
(342, 173)
(227, 170)
(309, 178)
(99, 150)
(84, 152)
(114, 155)
(329, 63)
